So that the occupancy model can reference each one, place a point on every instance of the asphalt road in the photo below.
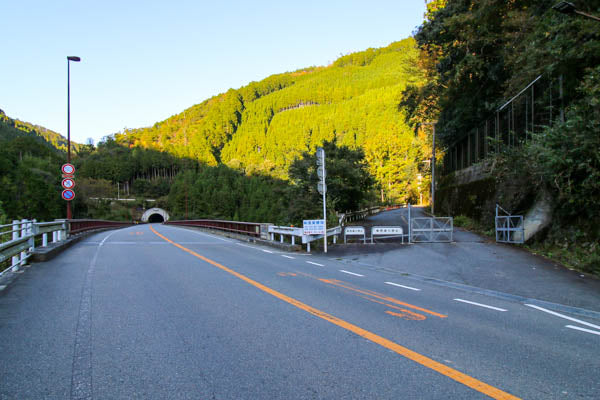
(160, 312)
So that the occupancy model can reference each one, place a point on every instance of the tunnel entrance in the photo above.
(154, 215)
(156, 218)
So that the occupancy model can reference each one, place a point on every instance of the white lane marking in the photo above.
(564, 316)
(480, 305)
(267, 251)
(283, 255)
(250, 247)
(107, 236)
(402, 286)
(351, 273)
(314, 263)
(583, 329)
(135, 243)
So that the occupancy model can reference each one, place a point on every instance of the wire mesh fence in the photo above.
(530, 111)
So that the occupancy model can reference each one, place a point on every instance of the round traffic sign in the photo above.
(68, 169)
(68, 194)
(68, 183)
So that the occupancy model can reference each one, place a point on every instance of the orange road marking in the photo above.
(406, 314)
(286, 274)
(449, 372)
(409, 315)
(381, 297)
(413, 316)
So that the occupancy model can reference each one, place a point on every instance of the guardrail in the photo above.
(24, 233)
(283, 231)
(253, 229)
(82, 225)
(295, 232)
(358, 215)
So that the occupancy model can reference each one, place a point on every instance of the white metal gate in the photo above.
(509, 228)
(431, 229)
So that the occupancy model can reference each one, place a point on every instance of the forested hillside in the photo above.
(479, 54)
(245, 154)
(13, 128)
(30, 179)
(30, 160)
(263, 127)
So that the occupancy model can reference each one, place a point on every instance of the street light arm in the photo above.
(587, 15)
(569, 8)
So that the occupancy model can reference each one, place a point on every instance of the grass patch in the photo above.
(470, 224)
(583, 257)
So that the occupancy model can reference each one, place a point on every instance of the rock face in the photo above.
(475, 191)
(538, 217)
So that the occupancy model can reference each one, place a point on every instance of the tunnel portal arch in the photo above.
(155, 215)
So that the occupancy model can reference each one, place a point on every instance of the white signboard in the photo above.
(321, 172)
(321, 187)
(354, 230)
(387, 230)
(314, 227)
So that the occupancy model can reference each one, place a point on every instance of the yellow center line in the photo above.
(451, 373)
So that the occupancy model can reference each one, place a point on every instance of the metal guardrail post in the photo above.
(30, 232)
(23, 234)
(496, 221)
(15, 235)
(409, 225)
(36, 231)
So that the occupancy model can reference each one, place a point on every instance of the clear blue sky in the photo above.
(143, 61)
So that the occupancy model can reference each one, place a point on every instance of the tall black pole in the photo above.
(69, 59)
(69, 212)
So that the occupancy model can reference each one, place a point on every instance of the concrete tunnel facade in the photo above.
(155, 215)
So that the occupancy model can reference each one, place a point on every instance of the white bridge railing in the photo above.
(295, 232)
(22, 243)
(18, 240)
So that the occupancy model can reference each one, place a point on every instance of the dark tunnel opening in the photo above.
(156, 218)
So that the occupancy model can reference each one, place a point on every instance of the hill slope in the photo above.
(264, 126)
(13, 128)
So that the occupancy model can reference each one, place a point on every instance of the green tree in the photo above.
(349, 183)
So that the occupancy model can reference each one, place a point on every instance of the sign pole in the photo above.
(324, 214)
(322, 188)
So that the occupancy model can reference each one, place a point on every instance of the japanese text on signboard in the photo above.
(313, 227)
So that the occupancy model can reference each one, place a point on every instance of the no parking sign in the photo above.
(68, 194)
(68, 183)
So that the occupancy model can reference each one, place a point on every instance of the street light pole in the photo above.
(69, 59)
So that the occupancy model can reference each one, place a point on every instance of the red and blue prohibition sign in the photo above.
(68, 194)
